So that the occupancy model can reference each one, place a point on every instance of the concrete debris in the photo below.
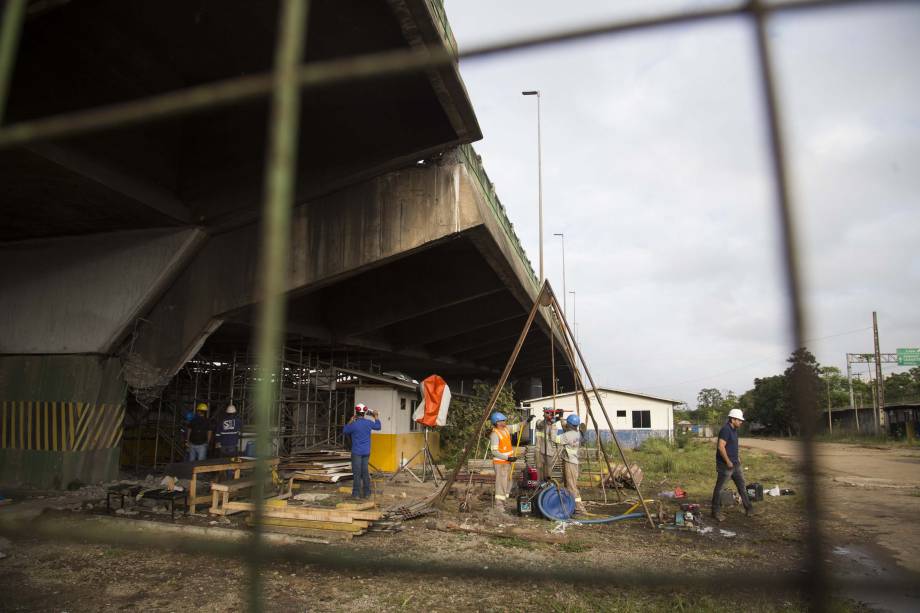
(312, 496)
(171, 484)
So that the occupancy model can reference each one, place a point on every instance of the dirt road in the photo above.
(872, 488)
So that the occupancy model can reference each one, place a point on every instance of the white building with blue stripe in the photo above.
(635, 416)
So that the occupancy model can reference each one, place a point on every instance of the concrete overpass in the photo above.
(124, 252)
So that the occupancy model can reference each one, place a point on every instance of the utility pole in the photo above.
(830, 426)
(855, 408)
(879, 382)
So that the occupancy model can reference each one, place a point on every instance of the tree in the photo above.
(835, 386)
(902, 387)
(466, 417)
(802, 382)
(708, 405)
(766, 404)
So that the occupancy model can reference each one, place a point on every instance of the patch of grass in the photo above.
(512, 542)
(574, 547)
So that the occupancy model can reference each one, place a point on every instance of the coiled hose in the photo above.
(558, 504)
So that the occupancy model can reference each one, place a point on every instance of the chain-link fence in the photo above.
(285, 86)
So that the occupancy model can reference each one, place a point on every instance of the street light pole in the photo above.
(564, 294)
(536, 93)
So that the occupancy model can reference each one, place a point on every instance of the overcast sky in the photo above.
(655, 169)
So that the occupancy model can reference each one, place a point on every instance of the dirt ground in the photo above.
(876, 489)
(42, 575)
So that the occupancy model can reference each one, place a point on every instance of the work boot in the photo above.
(718, 516)
(751, 512)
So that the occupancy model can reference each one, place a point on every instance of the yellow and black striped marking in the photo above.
(59, 426)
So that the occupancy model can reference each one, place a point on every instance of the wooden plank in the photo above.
(326, 536)
(356, 506)
(233, 486)
(241, 465)
(308, 513)
(316, 525)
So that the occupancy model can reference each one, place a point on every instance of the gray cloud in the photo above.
(656, 169)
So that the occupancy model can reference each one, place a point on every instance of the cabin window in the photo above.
(642, 419)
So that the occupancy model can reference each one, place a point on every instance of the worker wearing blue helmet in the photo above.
(503, 457)
(570, 440)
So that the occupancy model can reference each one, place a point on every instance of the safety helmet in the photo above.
(573, 420)
(202, 407)
(548, 412)
(231, 410)
(736, 413)
(497, 417)
(360, 409)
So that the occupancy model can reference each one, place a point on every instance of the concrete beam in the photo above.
(149, 194)
(368, 226)
(459, 320)
(84, 294)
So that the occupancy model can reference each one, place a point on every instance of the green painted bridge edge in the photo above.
(57, 469)
(473, 163)
(447, 34)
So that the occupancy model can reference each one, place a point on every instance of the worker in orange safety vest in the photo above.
(503, 456)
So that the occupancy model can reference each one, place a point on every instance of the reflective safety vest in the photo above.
(503, 445)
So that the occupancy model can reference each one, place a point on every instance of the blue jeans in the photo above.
(197, 452)
(723, 474)
(361, 484)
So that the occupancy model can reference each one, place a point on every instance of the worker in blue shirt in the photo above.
(228, 433)
(728, 465)
(359, 428)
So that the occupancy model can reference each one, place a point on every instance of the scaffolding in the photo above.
(313, 394)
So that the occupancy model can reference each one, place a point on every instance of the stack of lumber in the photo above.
(321, 466)
(342, 522)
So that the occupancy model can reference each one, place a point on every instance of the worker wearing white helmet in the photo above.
(728, 465)
(570, 440)
(359, 429)
(228, 432)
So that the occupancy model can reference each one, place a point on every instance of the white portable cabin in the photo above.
(635, 416)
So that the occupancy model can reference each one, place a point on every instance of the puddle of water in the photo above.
(860, 561)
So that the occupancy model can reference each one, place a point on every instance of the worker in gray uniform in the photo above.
(554, 453)
(545, 444)
(570, 441)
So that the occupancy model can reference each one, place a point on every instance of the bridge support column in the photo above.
(60, 419)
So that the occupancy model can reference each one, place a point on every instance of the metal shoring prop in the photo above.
(541, 296)
(600, 402)
(580, 383)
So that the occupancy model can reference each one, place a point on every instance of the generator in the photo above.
(527, 490)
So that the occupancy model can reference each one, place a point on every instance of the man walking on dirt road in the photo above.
(728, 465)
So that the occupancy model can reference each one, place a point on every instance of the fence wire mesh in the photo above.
(284, 86)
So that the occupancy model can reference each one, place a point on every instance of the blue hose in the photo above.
(558, 504)
(609, 520)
